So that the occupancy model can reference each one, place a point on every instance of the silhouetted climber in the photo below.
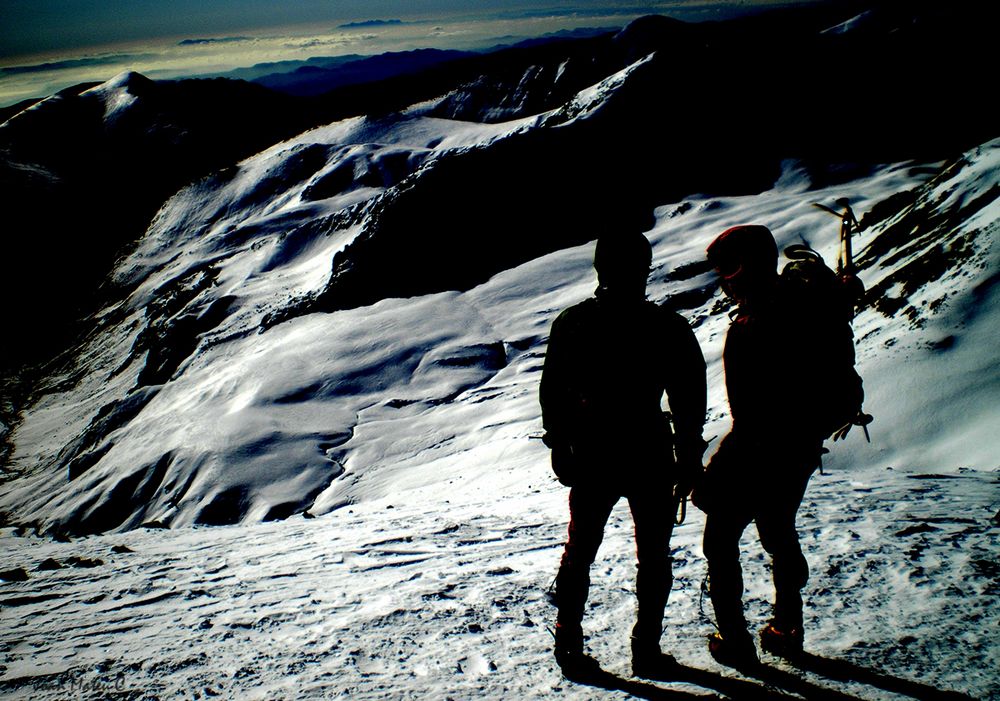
(790, 378)
(609, 361)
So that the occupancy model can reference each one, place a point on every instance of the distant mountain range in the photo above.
(321, 74)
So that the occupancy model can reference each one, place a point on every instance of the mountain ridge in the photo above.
(357, 216)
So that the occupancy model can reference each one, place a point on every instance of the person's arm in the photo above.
(556, 398)
(687, 392)
(553, 391)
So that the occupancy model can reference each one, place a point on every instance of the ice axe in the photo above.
(845, 261)
(845, 270)
(848, 226)
(862, 420)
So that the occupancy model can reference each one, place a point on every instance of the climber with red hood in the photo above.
(791, 383)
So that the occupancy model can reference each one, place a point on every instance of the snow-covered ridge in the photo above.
(220, 256)
(119, 94)
(363, 308)
(328, 409)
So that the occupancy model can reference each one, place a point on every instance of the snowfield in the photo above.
(444, 596)
(237, 488)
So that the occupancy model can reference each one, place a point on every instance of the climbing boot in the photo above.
(783, 643)
(649, 662)
(733, 650)
(572, 660)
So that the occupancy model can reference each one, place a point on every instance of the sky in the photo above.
(47, 45)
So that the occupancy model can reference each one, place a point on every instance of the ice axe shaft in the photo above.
(848, 225)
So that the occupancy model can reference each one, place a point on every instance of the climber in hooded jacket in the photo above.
(609, 361)
(791, 383)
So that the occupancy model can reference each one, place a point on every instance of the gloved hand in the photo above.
(564, 465)
(563, 461)
(689, 474)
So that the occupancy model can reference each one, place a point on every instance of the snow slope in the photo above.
(442, 595)
(430, 578)
(188, 408)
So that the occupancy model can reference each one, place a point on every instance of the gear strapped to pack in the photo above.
(836, 294)
(848, 227)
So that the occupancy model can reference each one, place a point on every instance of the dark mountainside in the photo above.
(83, 186)
(432, 223)
(319, 79)
(722, 103)
(322, 74)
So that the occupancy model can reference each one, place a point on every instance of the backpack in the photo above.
(829, 300)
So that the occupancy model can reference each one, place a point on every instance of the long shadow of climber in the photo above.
(774, 677)
(842, 670)
(735, 688)
(730, 687)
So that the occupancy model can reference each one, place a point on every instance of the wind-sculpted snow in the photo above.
(417, 262)
(187, 410)
(392, 599)
(219, 256)
(266, 418)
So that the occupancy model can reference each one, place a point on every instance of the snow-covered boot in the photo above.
(783, 643)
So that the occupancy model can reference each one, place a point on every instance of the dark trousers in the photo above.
(653, 513)
(749, 488)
